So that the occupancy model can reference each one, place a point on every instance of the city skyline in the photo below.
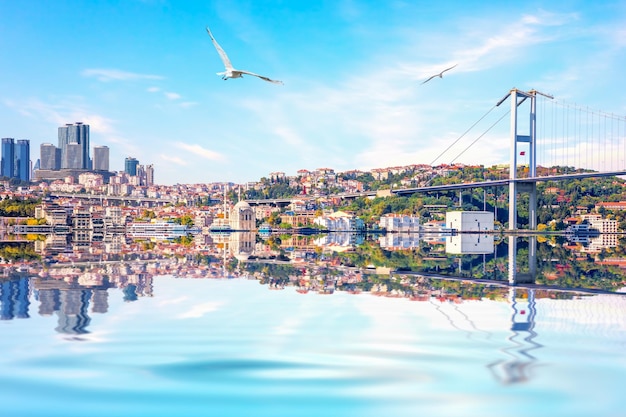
(353, 72)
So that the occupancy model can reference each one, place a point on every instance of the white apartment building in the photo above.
(340, 221)
(399, 223)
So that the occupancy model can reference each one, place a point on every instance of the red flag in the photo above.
(522, 153)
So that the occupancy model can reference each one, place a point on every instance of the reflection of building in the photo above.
(14, 299)
(399, 241)
(470, 243)
(338, 242)
(241, 244)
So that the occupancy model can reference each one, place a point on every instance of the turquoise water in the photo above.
(234, 347)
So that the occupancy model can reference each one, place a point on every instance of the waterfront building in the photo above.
(8, 157)
(340, 221)
(101, 158)
(159, 230)
(242, 217)
(470, 221)
(76, 134)
(130, 166)
(399, 223)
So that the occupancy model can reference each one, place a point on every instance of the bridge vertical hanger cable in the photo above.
(563, 140)
(587, 139)
(577, 134)
(553, 135)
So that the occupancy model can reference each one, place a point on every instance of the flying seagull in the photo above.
(230, 71)
(440, 75)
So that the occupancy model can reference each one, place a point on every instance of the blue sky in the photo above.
(142, 74)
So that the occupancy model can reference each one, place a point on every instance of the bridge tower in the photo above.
(518, 185)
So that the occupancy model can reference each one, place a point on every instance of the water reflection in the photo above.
(517, 367)
(446, 271)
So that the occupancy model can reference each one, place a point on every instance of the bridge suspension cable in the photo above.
(480, 137)
(464, 133)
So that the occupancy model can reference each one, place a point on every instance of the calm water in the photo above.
(234, 347)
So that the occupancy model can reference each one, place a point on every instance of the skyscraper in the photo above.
(8, 157)
(22, 159)
(150, 174)
(16, 158)
(50, 157)
(101, 158)
(130, 166)
(77, 133)
(72, 156)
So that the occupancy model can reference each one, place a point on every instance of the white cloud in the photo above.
(66, 110)
(172, 96)
(200, 151)
(153, 89)
(173, 159)
(105, 75)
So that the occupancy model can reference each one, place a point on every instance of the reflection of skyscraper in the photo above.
(73, 317)
(77, 134)
(14, 299)
(101, 158)
(100, 301)
(130, 166)
(49, 301)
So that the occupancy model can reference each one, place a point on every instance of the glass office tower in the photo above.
(77, 133)
(22, 159)
(8, 157)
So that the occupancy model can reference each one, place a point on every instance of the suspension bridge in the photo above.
(555, 136)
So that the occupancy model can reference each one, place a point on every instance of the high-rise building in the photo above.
(101, 158)
(16, 159)
(130, 166)
(22, 159)
(72, 156)
(150, 174)
(50, 157)
(77, 133)
(8, 157)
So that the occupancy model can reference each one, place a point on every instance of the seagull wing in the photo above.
(220, 51)
(261, 77)
(448, 69)
(430, 78)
